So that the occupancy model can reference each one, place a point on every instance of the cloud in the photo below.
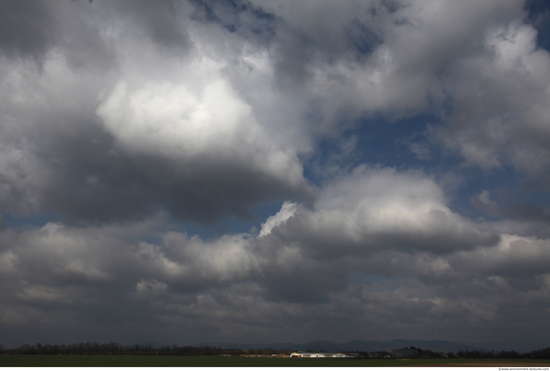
(278, 279)
(160, 22)
(499, 104)
(484, 203)
(379, 208)
(211, 125)
(287, 211)
(20, 32)
(136, 140)
(407, 49)
(128, 126)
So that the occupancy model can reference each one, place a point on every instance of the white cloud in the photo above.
(288, 209)
(172, 120)
(212, 124)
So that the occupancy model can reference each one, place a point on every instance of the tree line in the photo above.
(93, 348)
(426, 353)
(541, 353)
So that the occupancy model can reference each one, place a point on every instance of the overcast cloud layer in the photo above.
(260, 171)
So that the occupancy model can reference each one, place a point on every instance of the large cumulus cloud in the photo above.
(151, 131)
(376, 207)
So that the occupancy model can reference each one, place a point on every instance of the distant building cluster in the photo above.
(396, 353)
(321, 355)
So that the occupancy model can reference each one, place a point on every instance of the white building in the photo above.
(319, 355)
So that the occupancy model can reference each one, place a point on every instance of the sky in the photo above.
(274, 171)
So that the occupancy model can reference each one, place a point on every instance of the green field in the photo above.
(217, 361)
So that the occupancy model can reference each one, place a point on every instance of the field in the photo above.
(216, 361)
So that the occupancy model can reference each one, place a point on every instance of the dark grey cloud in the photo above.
(528, 211)
(27, 28)
(35, 29)
(264, 280)
(157, 20)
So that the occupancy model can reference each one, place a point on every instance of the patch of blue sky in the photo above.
(388, 143)
(230, 224)
(535, 196)
(218, 13)
(37, 220)
(374, 141)
(379, 142)
(505, 186)
(475, 181)
(538, 17)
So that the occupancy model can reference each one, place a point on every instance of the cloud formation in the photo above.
(187, 171)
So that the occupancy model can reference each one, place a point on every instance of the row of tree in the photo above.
(542, 353)
(92, 348)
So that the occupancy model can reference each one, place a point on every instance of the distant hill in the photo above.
(375, 345)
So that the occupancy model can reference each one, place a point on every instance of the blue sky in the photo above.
(260, 171)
